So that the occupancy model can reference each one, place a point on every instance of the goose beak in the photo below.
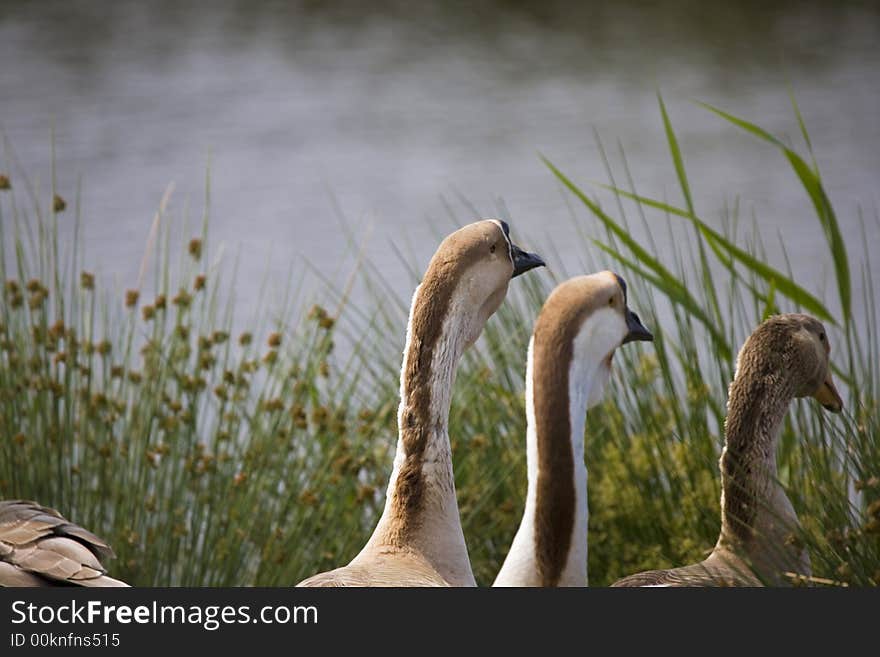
(523, 260)
(828, 396)
(635, 329)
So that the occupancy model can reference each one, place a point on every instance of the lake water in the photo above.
(389, 116)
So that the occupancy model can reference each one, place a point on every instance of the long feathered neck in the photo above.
(421, 511)
(757, 518)
(550, 546)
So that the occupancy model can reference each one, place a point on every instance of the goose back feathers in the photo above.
(39, 547)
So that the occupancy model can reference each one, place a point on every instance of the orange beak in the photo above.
(828, 396)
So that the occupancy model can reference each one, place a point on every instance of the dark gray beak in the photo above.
(637, 330)
(523, 260)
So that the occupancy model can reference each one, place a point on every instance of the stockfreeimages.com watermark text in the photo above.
(209, 617)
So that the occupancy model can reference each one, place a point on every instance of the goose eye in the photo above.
(821, 337)
(611, 301)
(492, 249)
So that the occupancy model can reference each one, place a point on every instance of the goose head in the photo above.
(591, 314)
(472, 268)
(804, 347)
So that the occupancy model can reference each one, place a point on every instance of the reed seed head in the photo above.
(308, 498)
(317, 313)
(182, 299)
(56, 331)
(273, 405)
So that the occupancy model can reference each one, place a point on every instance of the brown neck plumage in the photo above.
(421, 414)
(758, 400)
(552, 353)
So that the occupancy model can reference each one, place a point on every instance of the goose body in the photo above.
(787, 356)
(569, 362)
(39, 547)
(418, 540)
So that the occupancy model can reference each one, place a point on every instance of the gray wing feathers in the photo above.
(14, 576)
(713, 572)
(663, 578)
(39, 547)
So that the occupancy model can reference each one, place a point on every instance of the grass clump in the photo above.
(210, 454)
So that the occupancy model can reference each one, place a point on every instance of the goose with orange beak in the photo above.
(786, 357)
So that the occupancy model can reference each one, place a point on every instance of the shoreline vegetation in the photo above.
(212, 456)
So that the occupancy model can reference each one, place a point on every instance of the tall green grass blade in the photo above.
(782, 283)
(745, 125)
(812, 183)
(669, 282)
(675, 152)
(678, 162)
(803, 127)
(770, 305)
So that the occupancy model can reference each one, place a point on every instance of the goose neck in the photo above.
(757, 518)
(421, 510)
(550, 547)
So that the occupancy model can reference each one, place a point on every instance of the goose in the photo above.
(785, 357)
(40, 547)
(418, 540)
(580, 325)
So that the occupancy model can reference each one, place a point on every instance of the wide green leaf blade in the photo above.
(812, 183)
(782, 283)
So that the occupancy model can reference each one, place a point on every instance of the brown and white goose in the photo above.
(39, 547)
(786, 357)
(418, 540)
(569, 362)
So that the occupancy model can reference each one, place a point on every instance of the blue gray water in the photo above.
(389, 116)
